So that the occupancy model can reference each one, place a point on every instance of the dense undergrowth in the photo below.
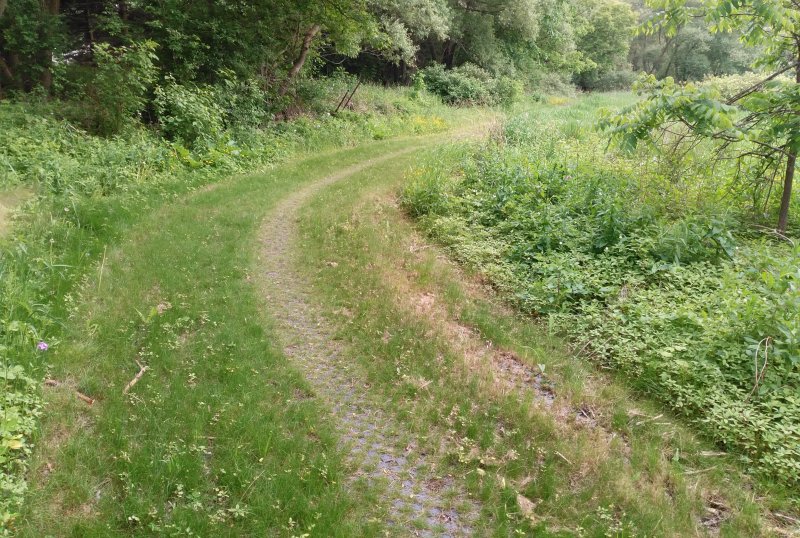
(84, 191)
(657, 271)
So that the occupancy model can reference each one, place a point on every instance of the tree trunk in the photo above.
(3, 4)
(788, 178)
(449, 53)
(301, 59)
(783, 216)
(51, 8)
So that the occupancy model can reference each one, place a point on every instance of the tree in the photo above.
(691, 53)
(759, 127)
(605, 40)
(29, 32)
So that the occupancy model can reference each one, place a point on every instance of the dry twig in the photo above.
(81, 396)
(136, 378)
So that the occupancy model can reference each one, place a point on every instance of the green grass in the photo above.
(639, 472)
(84, 192)
(214, 437)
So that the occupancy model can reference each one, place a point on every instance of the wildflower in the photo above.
(42, 346)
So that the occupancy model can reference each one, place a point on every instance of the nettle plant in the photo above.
(758, 128)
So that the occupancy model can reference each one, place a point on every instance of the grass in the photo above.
(217, 437)
(599, 461)
(10, 200)
(85, 192)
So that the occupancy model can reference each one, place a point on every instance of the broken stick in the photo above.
(88, 399)
(81, 396)
(136, 378)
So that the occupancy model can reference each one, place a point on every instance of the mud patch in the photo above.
(524, 376)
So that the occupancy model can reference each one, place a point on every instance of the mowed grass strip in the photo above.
(219, 435)
(597, 461)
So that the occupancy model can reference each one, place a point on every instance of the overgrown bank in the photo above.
(85, 191)
(656, 271)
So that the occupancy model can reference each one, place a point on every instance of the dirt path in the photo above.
(418, 500)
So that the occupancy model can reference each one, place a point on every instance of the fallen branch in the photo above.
(759, 375)
(785, 517)
(136, 378)
(698, 471)
(563, 457)
(81, 396)
(88, 399)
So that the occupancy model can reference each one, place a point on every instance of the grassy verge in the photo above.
(81, 195)
(568, 451)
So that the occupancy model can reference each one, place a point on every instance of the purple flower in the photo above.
(42, 346)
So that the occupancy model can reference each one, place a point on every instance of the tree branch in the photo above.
(301, 59)
(756, 86)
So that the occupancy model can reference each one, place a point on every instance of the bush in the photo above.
(243, 102)
(470, 85)
(619, 79)
(116, 90)
(188, 114)
(730, 85)
(508, 91)
(547, 82)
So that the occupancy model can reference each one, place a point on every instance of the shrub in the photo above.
(730, 85)
(604, 81)
(470, 85)
(116, 90)
(243, 101)
(188, 114)
(508, 91)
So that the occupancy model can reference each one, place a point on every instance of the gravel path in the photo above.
(419, 500)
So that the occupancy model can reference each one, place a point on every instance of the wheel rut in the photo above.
(418, 499)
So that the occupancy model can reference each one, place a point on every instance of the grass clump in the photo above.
(658, 275)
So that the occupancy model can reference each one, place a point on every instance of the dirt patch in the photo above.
(498, 370)
(784, 525)
(508, 370)
(9, 201)
(418, 500)
(524, 376)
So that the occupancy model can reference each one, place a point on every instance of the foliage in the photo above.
(757, 127)
(188, 114)
(471, 85)
(605, 45)
(693, 53)
(242, 101)
(654, 274)
(118, 88)
(730, 85)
